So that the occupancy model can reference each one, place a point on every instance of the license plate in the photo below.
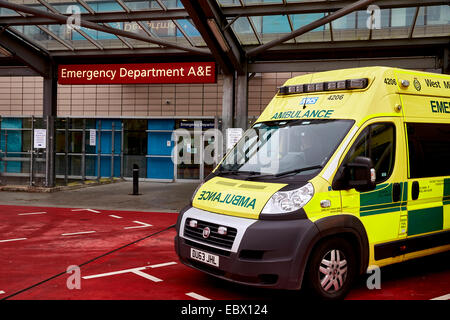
(205, 257)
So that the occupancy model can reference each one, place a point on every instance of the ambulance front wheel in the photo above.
(331, 269)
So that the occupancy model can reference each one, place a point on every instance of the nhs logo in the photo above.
(309, 100)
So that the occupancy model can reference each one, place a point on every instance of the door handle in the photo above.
(415, 190)
(396, 192)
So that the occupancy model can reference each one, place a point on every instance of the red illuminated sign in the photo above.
(183, 72)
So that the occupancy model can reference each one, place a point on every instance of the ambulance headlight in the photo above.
(289, 201)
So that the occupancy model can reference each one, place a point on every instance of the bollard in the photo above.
(135, 180)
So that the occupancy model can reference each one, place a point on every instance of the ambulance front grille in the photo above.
(214, 238)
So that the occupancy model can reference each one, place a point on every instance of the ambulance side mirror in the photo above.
(358, 174)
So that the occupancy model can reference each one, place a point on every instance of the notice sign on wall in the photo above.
(92, 137)
(40, 138)
(233, 136)
(183, 72)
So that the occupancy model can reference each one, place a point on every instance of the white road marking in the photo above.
(76, 233)
(444, 297)
(142, 225)
(18, 239)
(196, 296)
(136, 271)
(147, 276)
(113, 273)
(91, 210)
(162, 265)
(31, 213)
(116, 217)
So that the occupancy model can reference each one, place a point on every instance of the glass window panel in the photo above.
(244, 31)
(68, 8)
(228, 3)
(189, 28)
(130, 160)
(427, 22)
(421, 17)
(135, 139)
(62, 31)
(275, 24)
(104, 6)
(26, 140)
(74, 165)
(75, 142)
(376, 142)
(438, 15)
(191, 32)
(60, 164)
(76, 124)
(429, 153)
(300, 20)
(172, 4)
(33, 3)
(7, 12)
(91, 166)
(345, 22)
(94, 34)
(39, 37)
(60, 141)
(162, 28)
(138, 5)
(253, 2)
(402, 17)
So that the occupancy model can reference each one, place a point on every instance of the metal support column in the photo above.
(50, 107)
(32, 152)
(242, 101)
(122, 144)
(66, 152)
(227, 105)
(112, 149)
(83, 153)
(99, 149)
(1, 147)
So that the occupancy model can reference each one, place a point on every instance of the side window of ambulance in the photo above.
(429, 149)
(376, 142)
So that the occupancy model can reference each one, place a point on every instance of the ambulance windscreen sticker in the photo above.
(417, 84)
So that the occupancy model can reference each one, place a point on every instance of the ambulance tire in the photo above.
(331, 269)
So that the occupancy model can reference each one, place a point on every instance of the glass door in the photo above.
(195, 155)
(187, 158)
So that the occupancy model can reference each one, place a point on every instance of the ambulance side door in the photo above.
(428, 186)
(381, 210)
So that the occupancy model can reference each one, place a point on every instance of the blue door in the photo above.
(160, 145)
(11, 142)
(105, 143)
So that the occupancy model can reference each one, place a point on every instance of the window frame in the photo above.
(369, 126)
(407, 137)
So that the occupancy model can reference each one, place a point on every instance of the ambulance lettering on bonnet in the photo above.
(235, 200)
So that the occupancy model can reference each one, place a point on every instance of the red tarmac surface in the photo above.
(130, 255)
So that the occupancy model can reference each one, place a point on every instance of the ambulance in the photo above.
(343, 171)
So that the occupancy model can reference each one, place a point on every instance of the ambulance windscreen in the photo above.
(278, 147)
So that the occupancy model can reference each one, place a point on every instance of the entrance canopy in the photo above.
(240, 35)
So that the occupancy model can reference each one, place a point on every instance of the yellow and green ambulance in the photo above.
(343, 170)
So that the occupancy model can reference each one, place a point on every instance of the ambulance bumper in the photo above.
(270, 254)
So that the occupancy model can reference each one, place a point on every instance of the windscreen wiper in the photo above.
(236, 172)
(286, 172)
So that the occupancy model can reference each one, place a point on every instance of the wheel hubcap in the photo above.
(333, 271)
